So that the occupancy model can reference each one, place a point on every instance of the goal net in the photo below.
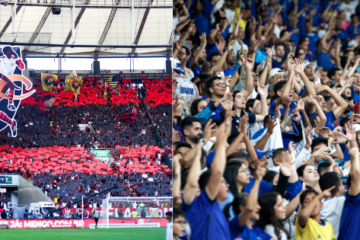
(134, 212)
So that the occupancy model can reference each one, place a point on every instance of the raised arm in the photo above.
(340, 102)
(242, 132)
(192, 185)
(249, 84)
(321, 114)
(194, 63)
(354, 189)
(186, 14)
(252, 202)
(306, 211)
(211, 38)
(262, 105)
(222, 60)
(270, 129)
(219, 162)
(353, 69)
(300, 70)
(177, 177)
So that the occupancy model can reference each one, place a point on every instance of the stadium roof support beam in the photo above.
(76, 23)
(141, 27)
(107, 26)
(82, 6)
(41, 24)
(9, 22)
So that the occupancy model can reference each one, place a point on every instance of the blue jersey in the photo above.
(207, 219)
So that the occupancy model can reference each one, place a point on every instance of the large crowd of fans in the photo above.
(53, 153)
(265, 124)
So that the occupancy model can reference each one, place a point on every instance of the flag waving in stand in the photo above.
(131, 115)
(105, 91)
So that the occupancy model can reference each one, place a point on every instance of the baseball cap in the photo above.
(177, 66)
(275, 71)
(306, 63)
(260, 153)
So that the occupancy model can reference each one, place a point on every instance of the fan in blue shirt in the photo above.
(247, 209)
(349, 223)
(331, 116)
(203, 212)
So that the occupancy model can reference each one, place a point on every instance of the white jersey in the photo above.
(7, 66)
(186, 91)
(169, 230)
(332, 211)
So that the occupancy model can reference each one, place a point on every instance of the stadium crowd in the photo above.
(266, 133)
(54, 154)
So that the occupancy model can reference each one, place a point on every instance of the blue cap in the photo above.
(178, 68)
(260, 153)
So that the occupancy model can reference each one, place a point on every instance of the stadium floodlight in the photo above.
(133, 212)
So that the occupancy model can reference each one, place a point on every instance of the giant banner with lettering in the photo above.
(78, 223)
(14, 87)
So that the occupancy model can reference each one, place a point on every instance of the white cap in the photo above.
(275, 71)
(305, 64)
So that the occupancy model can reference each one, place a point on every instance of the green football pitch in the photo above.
(84, 234)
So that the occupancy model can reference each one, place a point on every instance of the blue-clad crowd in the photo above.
(266, 130)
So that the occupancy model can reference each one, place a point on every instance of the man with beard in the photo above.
(279, 54)
(217, 88)
(191, 127)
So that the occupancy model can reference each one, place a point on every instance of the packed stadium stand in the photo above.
(53, 154)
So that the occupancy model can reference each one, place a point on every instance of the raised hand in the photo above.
(311, 100)
(326, 193)
(350, 132)
(269, 51)
(230, 45)
(291, 147)
(243, 124)
(262, 90)
(296, 30)
(301, 105)
(320, 88)
(221, 45)
(318, 72)
(208, 130)
(308, 135)
(287, 165)
(298, 66)
(271, 125)
(253, 48)
(260, 172)
(320, 152)
(227, 105)
(221, 135)
(324, 132)
(249, 64)
(191, 27)
(277, 110)
(338, 137)
(203, 39)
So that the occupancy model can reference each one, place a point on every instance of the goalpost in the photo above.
(134, 212)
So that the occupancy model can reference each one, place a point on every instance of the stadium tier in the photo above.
(59, 151)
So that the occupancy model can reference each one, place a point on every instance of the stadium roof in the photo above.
(101, 27)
